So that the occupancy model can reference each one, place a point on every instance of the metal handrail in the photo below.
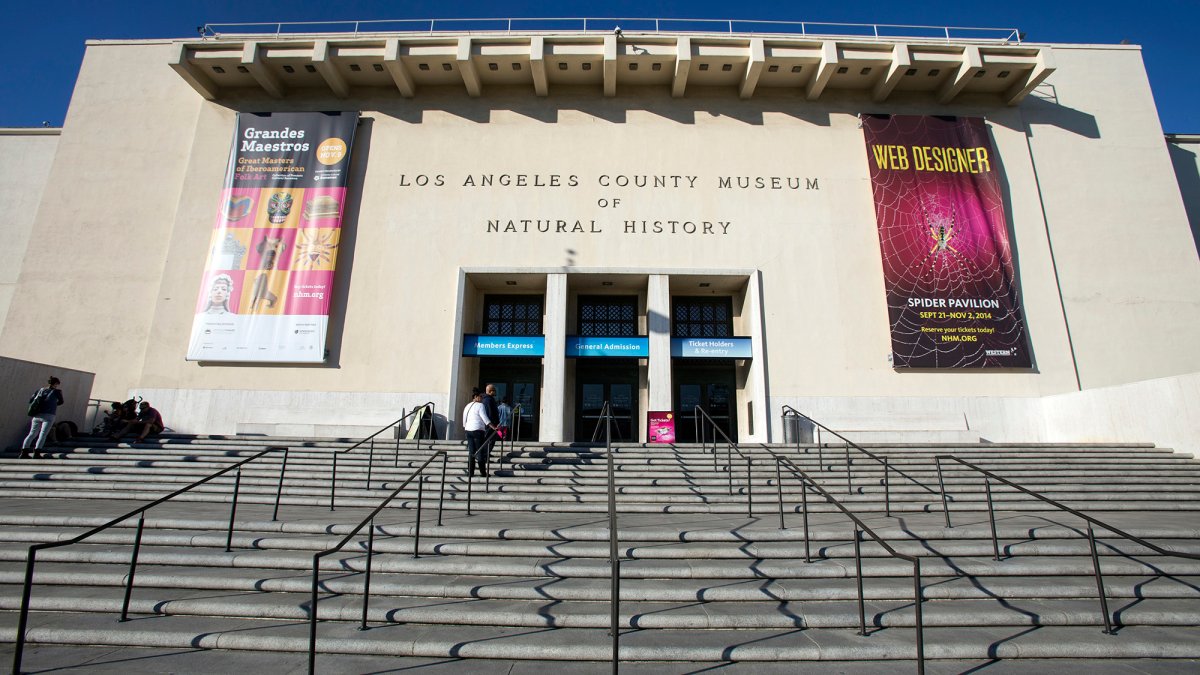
(614, 562)
(419, 411)
(730, 446)
(875, 31)
(1063, 507)
(887, 467)
(312, 620)
(31, 558)
(91, 415)
(859, 527)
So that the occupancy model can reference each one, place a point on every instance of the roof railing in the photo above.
(640, 25)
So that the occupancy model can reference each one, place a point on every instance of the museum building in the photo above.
(938, 237)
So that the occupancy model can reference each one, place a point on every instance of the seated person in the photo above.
(113, 420)
(148, 422)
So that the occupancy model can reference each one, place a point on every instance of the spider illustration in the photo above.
(314, 248)
(942, 233)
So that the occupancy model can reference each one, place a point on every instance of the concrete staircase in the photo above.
(524, 578)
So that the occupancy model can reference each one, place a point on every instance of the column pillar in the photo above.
(554, 368)
(658, 324)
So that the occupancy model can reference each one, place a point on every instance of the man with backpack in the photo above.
(43, 406)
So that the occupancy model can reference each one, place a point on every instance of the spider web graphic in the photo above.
(943, 236)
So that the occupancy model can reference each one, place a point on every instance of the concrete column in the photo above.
(658, 323)
(756, 382)
(554, 373)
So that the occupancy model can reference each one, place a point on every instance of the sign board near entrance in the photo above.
(628, 347)
(660, 426)
(711, 348)
(504, 345)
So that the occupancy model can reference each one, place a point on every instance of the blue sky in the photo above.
(43, 46)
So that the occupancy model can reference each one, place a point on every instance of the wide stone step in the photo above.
(594, 644)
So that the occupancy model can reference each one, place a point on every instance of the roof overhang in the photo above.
(748, 65)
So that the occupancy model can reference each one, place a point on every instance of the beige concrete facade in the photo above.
(1106, 264)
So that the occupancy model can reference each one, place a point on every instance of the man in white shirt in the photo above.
(476, 424)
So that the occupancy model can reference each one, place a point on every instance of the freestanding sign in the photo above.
(660, 426)
(947, 261)
(269, 275)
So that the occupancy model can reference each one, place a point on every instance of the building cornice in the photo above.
(746, 64)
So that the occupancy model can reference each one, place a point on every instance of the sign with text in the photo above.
(627, 347)
(268, 278)
(660, 426)
(504, 345)
(711, 348)
(947, 260)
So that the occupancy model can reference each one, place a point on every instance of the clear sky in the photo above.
(43, 43)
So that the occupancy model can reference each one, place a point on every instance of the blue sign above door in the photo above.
(621, 347)
(504, 345)
(711, 348)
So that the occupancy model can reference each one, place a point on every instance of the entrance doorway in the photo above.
(713, 387)
(612, 380)
(519, 381)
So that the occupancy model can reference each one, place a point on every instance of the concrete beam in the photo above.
(537, 65)
(825, 71)
(201, 82)
(972, 63)
(323, 62)
(466, 68)
(683, 66)
(610, 65)
(395, 68)
(758, 58)
(266, 78)
(1045, 66)
(901, 62)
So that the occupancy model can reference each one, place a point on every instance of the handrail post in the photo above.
(987, 486)
(470, 481)
(1099, 581)
(237, 484)
(728, 462)
(137, 547)
(367, 577)
(370, 462)
(614, 560)
(442, 489)
(779, 487)
(749, 488)
(312, 616)
(862, 619)
(887, 490)
(279, 490)
(333, 482)
(417, 527)
(804, 509)
(23, 621)
(849, 485)
(942, 484)
(918, 615)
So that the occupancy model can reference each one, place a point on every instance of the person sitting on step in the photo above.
(148, 422)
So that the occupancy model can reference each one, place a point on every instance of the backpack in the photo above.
(37, 404)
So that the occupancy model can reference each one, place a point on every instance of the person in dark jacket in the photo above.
(148, 422)
(48, 398)
(493, 411)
